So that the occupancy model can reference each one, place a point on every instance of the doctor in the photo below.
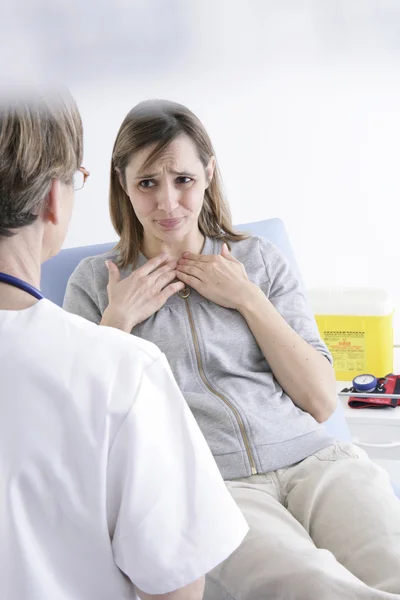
(107, 484)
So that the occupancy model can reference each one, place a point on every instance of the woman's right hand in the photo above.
(141, 294)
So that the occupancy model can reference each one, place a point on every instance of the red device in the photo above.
(377, 398)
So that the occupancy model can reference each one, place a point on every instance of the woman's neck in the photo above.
(193, 243)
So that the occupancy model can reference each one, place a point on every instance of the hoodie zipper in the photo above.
(185, 293)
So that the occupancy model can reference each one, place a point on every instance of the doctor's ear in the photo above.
(52, 209)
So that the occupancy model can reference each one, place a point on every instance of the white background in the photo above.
(301, 99)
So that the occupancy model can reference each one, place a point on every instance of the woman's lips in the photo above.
(169, 223)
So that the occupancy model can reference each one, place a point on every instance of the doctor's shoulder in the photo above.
(104, 347)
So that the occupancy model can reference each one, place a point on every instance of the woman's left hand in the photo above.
(220, 278)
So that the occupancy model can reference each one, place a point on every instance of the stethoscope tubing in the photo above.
(22, 285)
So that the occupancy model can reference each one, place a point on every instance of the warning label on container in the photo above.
(347, 349)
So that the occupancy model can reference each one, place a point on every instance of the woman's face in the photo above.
(167, 196)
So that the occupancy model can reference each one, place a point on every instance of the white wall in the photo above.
(302, 101)
(322, 154)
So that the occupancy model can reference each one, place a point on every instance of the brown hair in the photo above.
(159, 122)
(41, 139)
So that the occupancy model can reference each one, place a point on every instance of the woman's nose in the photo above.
(168, 199)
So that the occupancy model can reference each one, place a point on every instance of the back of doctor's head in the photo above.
(41, 139)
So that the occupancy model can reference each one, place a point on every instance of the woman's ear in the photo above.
(210, 168)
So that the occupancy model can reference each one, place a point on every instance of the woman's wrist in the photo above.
(250, 299)
(112, 319)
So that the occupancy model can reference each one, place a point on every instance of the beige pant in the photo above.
(327, 528)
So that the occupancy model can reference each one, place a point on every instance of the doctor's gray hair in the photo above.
(41, 139)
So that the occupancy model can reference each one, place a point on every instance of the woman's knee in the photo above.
(297, 577)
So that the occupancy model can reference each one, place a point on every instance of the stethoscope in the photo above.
(22, 285)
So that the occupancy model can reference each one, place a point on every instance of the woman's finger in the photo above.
(190, 263)
(170, 290)
(152, 264)
(155, 275)
(189, 280)
(198, 257)
(226, 253)
(194, 270)
(113, 273)
(165, 279)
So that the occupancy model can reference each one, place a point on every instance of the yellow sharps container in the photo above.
(357, 326)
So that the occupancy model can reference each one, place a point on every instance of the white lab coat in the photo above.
(103, 469)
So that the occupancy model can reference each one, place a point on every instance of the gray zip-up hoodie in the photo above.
(250, 424)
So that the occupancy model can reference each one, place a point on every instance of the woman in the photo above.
(247, 357)
(82, 515)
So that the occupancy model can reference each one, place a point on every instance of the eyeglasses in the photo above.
(80, 177)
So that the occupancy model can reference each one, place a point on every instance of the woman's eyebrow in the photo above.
(151, 175)
(146, 176)
(183, 172)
